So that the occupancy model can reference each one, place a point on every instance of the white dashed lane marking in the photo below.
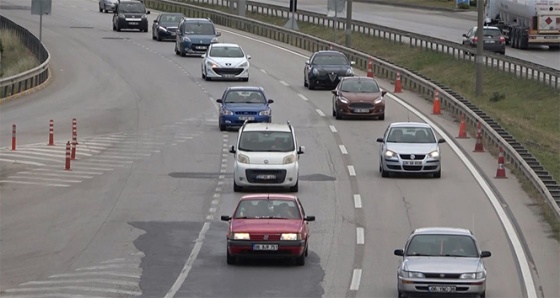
(343, 149)
(320, 113)
(351, 171)
(356, 278)
(284, 83)
(360, 236)
(333, 129)
(303, 97)
(357, 201)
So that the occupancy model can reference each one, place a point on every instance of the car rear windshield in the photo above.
(360, 86)
(491, 32)
(135, 7)
(244, 96)
(442, 245)
(226, 52)
(330, 60)
(267, 208)
(411, 135)
(198, 28)
(266, 141)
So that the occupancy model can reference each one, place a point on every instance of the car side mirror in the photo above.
(218, 33)
(270, 101)
(485, 254)
(310, 218)
(148, 12)
(441, 141)
(464, 35)
(232, 149)
(335, 92)
(248, 56)
(398, 252)
(155, 21)
(352, 62)
(307, 62)
(219, 100)
(203, 56)
(225, 217)
(301, 150)
(380, 140)
(383, 93)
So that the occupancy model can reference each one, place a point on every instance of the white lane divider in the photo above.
(356, 278)
(263, 70)
(351, 171)
(302, 97)
(360, 236)
(357, 201)
(320, 113)
(284, 83)
(343, 149)
(333, 129)
(508, 226)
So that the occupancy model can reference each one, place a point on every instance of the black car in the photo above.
(165, 26)
(325, 68)
(130, 14)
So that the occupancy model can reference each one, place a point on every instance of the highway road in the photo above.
(138, 214)
(441, 24)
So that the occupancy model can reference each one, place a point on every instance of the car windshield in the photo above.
(226, 52)
(490, 32)
(170, 20)
(267, 208)
(359, 86)
(330, 60)
(266, 141)
(135, 7)
(442, 245)
(243, 96)
(198, 28)
(418, 135)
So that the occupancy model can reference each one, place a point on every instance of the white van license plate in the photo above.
(266, 177)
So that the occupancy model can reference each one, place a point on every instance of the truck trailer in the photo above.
(526, 22)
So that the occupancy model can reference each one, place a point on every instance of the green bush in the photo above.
(464, 6)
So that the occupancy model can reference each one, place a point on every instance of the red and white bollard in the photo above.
(501, 172)
(75, 130)
(73, 153)
(13, 137)
(51, 133)
(67, 165)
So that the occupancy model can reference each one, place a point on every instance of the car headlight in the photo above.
(474, 275)
(214, 40)
(390, 154)
(290, 236)
(186, 39)
(226, 112)
(212, 64)
(289, 159)
(315, 71)
(378, 101)
(162, 29)
(434, 154)
(144, 16)
(343, 100)
(350, 72)
(121, 16)
(411, 274)
(265, 113)
(244, 64)
(242, 158)
(241, 236)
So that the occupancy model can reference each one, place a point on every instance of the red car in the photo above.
(268, 225)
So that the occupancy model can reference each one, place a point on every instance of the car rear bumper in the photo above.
(235, 120)
(285, 248)
(415, 287)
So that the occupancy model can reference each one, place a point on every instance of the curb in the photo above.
(415, 6)
(30, 90)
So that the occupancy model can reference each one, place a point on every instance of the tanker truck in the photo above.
(526, 22)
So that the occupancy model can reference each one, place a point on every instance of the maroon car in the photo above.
(268, 225)
(358, 97)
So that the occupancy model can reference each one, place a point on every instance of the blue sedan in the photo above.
(240, 104)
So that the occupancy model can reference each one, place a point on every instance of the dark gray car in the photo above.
(494, 41)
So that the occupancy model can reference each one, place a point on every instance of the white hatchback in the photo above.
(225, 61)
(267, 155)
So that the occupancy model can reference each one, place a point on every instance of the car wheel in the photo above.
(158, 37)
(337, 115)
(236, 188)
(295, 188)
(207, 78)
(106, 11)
(483, 294)
(401, 294)
(114, 28)
(118, 28)
(100, 9)
(300, 260)
(222, 127)
(310, 86)
(304, 82)
(176, 50)
(230, 259)
(437, 174)
(333, 111)
(384, 174)
(382, 117)
(153, 35)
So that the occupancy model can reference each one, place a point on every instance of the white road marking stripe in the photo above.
(101, 273)
(99, 160)
(91, 146)
(184, 138)
(284, 83)
(216, 195)
(70, 174)
(33, 183)
(126, 142)
(114, 261)
(93, 280)
(30, 157)
(132, 150)
(357, 201)
(215, 202)
(15, 161)
(61, 152)
(264, 71)
(190, 261)
(89, 289)
(333, 129)
(124, 156)
(360, 236)
(110, 266)
(320, 113)
(508, 226)
(356, 278)
(343, 149)
(65, 171)
(60, 155)
(303, 97)
(351, 171)
(212, 210)
(78, 167)
(55, 295)
(44, 179)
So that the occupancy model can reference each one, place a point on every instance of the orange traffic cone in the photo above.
(501, 172)
(462, 128)
(370, 68)
(437, 106)
(479, 147)
(398, 87)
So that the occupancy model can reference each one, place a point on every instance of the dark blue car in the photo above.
(240, 104)
(194, 36)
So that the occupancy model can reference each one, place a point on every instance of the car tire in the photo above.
(382, 117)
(338, 116)
(300, 260)
(310, 86)
(304, 82)
(100, 9)
(106, 11)
(437, 174)
(176, 50)
(333, 112)
(401, 294)
(153, 36)
(295, 188)
(207, 78)
(158, 37)
(483, 294)
(230, 259)
(222, 127)
(118, 28)
(236, 188)
(384, 174)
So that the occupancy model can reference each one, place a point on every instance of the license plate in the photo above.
(228, 76)
(489, 41)
(265, 246)
(441, 289)
(412, 162)
(246, 118)
(361, 110)
(201, 48)
(266, 177)
(133, 23)
(173, 33)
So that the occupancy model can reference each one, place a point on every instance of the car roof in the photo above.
(329, 52)
(443, 231)
(225, 45)
(409, 124)
(266, 126)
(197, 20)
(358, 78)
(268, 196)
(245, 88)
(171, 13)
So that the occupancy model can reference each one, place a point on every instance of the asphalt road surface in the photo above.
(138, 214)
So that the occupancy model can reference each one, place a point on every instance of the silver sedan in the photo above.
(440, 261)
(410, 147)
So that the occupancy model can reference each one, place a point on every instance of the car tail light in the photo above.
(475, 39)
(502, 39)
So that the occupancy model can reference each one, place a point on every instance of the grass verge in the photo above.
(16, 58)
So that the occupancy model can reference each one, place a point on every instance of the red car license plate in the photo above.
(265, 246)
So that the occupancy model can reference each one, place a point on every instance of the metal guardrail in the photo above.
(32, 78)
(525, 69)
(493, 135)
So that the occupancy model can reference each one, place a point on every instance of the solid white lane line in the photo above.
(343, 149)
(68, 175)
(190, 261)
(44, 179)
(62, 151)
(111, 266)
(114, 261)
(320, 113)
(55, 295)
(508, 226)
(33, 183)
(87, 289)
(32, 154)
(69, 281)
(351, 171)
(264, 71)
(15, 161)
(357, 201)
(360, 236)
(123, 156)
(333, 129)
(123, 162)
(65, 171)
(302, 97)
(78, 167)
(284, 83)
(356, 278)
(101, 273)
(104, 142)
